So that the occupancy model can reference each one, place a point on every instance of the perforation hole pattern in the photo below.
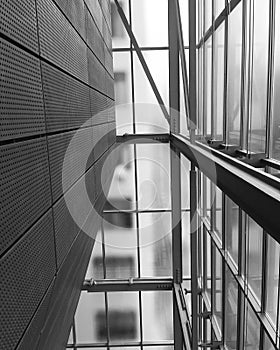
(18, 21)
(21, 109)
(25, 187)
(25, 274)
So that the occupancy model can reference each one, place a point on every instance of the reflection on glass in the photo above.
(95, 267)
(70, 339)
(161, 347)
(120, 37)
(122, 85)
(231, 297)
(217, 285)
(208, 261)
(89, 326)
(231, 228)
(218, 82)
(151, 27)
(207, 85)
(155, 244)
(123, 317)
(218, 214)
(186, 251)
(275, 147)
(254, 256)
(149, 115)
(219, 5)
(267, 343)
(157, 316)
(120, 246)
(259, 76)
(153, 169)
(185, 182)
(252, 330)
(207, 14)
(234, 74)
(273, 255)
(200, 90)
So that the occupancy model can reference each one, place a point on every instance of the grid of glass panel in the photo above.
(238, 81)
(238, 263)
(240, 277)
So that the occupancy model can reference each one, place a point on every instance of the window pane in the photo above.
(149, 115)
(120, 245)
(155, 244)
(124, 317)
(207, 84)
(90, 324)
(268, 345)
(185, 182)
(232, 229)
(219, 5)
(207, 14)
(157, 316)
(218, 81)
(218, 215)
(231, 297)
(149, 22)
(275, 153)
(234, 74)
(259, 76)
(252, 327)
(120, 37)
(255, 247)
(95, 267)
(217, 307)
(186, 251)
(122, 84)
(272, 278)
(153, 169)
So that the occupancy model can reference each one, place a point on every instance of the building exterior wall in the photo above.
(56, 78)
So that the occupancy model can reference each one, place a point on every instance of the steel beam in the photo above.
(192, 67)
(184, 316)
(143, 138)
(175, 161)
(142, 61)
(129, 285)
(256, 192)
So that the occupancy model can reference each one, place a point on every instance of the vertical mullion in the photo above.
(213, 77)
(270, 78)
(225, 138)
(175, 161)
(136, 180)
(192, 67)
(74, 334)
(194, 230)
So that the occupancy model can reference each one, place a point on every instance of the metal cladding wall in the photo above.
(55, 74)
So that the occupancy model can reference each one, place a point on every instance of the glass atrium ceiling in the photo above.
(230, 271)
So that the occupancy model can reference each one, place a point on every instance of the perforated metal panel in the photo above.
(109, 84)
(98, 106)
(26, 271)
(67, 102)
(75, 12)
(58, 144)
(106, 9)
(94, 39)
(59, 41)
(18, 21)
(109, 62)
(95, 10)
(106, 34)
(66, 229)
(25, 187)
(101, 138)
(21, 110)
(96, 72)
(32, 334)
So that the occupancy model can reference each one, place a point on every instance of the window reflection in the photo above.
(234, 74)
